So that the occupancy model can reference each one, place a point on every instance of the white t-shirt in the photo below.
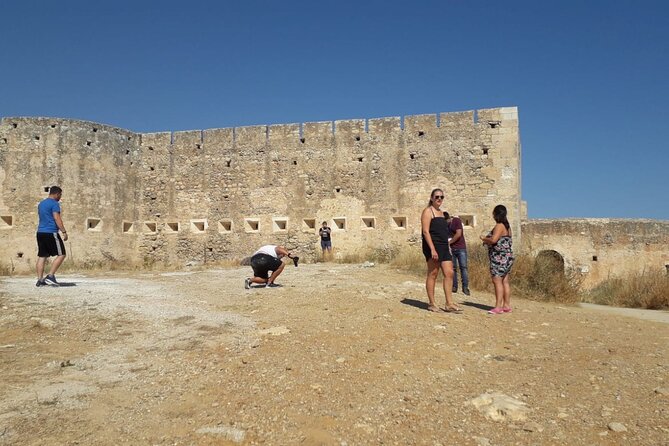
(270, 250)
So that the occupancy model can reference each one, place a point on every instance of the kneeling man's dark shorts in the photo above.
(262, 264)
(49, 245)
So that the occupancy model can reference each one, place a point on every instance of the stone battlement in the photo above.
(220, 193)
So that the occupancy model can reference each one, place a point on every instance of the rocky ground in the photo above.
(340, 355)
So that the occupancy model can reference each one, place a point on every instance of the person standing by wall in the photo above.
(501, 259)
(326, 241)
(459, 251)
(49, 242)
(436, 251)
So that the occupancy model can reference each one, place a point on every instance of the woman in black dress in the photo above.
(437, 252)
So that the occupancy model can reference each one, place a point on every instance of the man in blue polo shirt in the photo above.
(49, 242)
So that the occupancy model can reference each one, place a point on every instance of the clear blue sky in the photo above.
(590, 78)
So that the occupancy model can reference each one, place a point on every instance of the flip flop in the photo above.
(434, 309)
(455, 310)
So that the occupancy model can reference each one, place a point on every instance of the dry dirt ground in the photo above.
(340, 355)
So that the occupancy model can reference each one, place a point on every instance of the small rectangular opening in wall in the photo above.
(399, 222)
(368, 222)
(340, 223)
(93, 224)
(128, 227)
(6, 221)
(494, 124)
(251, 225)
(225, 226)
(594, 258)
(198, 226)
(3, 140)
(172, 227)
(280, 224)
(309, 224)
(468, 221)
(150, 227)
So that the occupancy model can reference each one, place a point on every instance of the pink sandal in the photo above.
(506, 309)
(496, 310)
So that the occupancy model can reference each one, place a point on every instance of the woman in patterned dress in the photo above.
(501, 259)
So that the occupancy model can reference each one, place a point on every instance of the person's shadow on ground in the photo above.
(415, 303)
(477, 305)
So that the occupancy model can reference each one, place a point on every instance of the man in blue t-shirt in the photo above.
(49, 242)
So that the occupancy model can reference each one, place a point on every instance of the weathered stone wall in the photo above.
(96, 166)
(220, 193)
(601, 248)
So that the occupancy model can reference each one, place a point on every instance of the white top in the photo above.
(270, 250)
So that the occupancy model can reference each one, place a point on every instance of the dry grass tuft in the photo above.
(649, 290)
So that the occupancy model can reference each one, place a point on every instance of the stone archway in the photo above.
(551, 260)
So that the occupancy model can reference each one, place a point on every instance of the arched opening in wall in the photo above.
(93, 224)
(3, 140)
(198, 226)
(308, 224)
(550, 261)
(225, 226)
(340, 223)
(399, 222)
(251, 225)
(128, 227)
(279, 224)
(6, 221)
(172, 227)
(368, 222)
(150, 227)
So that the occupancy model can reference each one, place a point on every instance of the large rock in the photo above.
(500, 407)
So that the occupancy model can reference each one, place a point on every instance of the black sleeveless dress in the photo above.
(439, 232)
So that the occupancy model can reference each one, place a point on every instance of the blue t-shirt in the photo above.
(45, 210)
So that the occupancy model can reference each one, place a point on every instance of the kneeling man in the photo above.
(266, 259)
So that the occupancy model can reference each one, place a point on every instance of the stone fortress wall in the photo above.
(600, 248)
(219, 194)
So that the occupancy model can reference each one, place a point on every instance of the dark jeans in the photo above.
(460, 259)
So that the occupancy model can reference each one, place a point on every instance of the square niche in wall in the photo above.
(339, 223)
(172, 227)
(368, 222)
(225, 226)
(279, 224)
(399, 222)
(150, 227)
(251, 225)
(468, 220)
(6, 221)
(93, 224)
(128, 227)
(198, 226)
(308, 224)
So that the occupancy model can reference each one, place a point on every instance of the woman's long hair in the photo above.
(429, 203)
(499, 214)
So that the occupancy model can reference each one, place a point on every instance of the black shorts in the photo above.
(262, 264)
(443, 251)
(50, 244)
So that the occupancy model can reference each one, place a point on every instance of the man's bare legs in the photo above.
(276, 273)
(41, 262)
